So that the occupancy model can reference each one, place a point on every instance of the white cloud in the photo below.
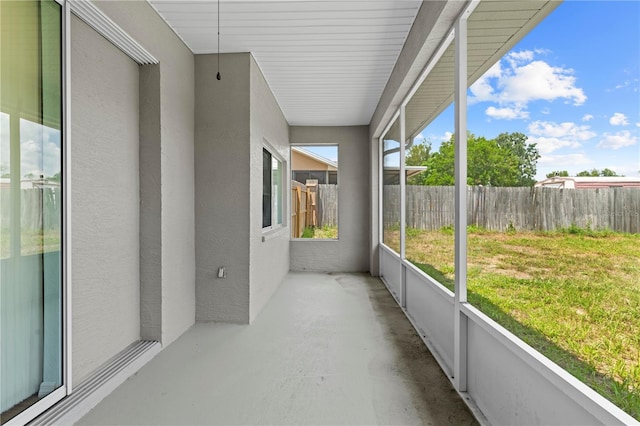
(547, 145)
(550, 136)
(538, 80)
(618, 119)
(436, 140)
(518, 79)
(630, 169)
(587, 117)
(521, 57)
(507, 113)
(632, 84)
(39, 149)
(564, 161)
(561, 130)
(571, 162)
(482, 90)
(617, 140)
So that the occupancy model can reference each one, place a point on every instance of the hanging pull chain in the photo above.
(218, 76)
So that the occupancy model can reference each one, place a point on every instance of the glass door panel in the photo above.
(31, 203)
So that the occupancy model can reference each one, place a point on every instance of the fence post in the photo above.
(312, 190)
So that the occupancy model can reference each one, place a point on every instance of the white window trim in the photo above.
(269, 232)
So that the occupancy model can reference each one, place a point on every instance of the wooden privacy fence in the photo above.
(542, 209)
(327, 205)
(302, 207)
(312, 205)
(39, 208)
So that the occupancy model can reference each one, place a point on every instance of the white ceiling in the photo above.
(327, 62)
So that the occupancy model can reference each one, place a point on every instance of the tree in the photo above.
(561, 173)
(504, 161)
(527, 155)
(596, 173)
(593, 172)
(418, 155)
(440, 166)
(608, 172)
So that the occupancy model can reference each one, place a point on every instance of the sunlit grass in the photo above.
(32, 241)
(324, 232)
(572, 294)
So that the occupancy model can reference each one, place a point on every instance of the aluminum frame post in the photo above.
(402, 175)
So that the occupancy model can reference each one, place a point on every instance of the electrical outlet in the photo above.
(221, 272)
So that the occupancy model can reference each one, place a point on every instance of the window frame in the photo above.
(329, 175)
(277, 199)
(65, 387)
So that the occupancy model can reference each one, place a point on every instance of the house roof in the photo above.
(494, 27)
(314, 156)
(589, 181)
(391, 173)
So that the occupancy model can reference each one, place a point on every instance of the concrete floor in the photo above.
(327, 349)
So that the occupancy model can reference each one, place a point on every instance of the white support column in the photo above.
(460, 97)
(403, 205)
(380, 196)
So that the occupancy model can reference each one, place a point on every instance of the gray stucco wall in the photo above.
(167, 173)
(233, 118)
(105, 199)
(349, 253)
(269, 259)
(125, 256)
(222, 157)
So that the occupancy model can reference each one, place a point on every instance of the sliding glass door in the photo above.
(31, 309)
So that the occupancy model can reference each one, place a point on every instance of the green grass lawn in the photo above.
(574, 295)
(32, 241)
(326, 232)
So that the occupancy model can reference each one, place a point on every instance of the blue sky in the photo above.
(329, 152)
(39, 148)
(571, 85)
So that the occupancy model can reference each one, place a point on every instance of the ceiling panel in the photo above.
(327, 62)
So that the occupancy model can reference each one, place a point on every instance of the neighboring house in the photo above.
(392, 174)
(308, 165)
(589, 182)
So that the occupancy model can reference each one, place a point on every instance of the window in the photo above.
(314, 191)
(549, 281)
(429, 192)
(581, 261)
(272, 190)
